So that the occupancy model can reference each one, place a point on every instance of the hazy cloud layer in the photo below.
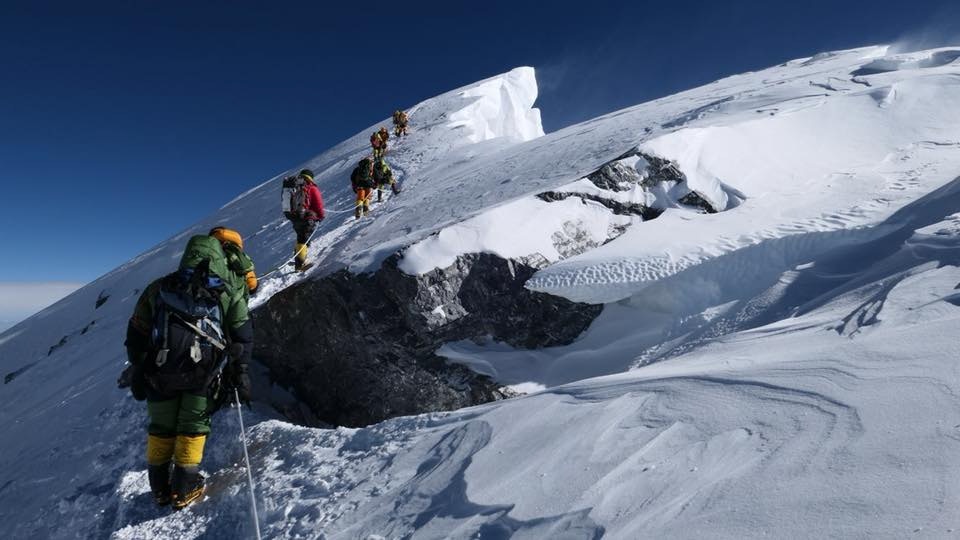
(19, 300)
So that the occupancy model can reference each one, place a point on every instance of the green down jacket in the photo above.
(233, 299)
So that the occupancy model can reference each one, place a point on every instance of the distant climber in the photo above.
(237, 260)
(361, 179)
(399, 122)
(189, 342)
(383, 177)
(378, 141)
(303, 206)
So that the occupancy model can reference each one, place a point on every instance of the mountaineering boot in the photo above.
(301, 256)
(159, 476)
(186, 486)
(358, 212)
(379, 195)
(159, 455)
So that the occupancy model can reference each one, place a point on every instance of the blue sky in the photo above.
(121, 123)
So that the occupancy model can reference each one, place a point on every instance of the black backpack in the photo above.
(362, 177)
(187, 340)
(382, 174)
(293, 198)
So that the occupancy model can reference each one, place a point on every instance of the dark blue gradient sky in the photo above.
(121, 123)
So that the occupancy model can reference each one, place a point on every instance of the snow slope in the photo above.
(806, 158)
(784, 368)
(67, 430)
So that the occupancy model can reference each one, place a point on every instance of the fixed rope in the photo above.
(347, 211)
(351, 209)
(246, 458)
(288, 261)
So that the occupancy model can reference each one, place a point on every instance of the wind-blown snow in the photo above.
(818, 162)
(503, 107)
(783, 368)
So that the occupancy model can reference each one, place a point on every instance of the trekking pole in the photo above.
(246, 458)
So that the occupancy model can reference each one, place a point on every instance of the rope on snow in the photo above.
(246, 458)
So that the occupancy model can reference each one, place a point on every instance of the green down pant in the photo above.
(178, 430)
(185, 414)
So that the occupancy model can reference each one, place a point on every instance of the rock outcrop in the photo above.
(613, 177)
(357, 349)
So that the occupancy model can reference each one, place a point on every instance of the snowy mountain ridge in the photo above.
(781, 367)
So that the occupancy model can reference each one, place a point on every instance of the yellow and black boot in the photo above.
(186, 485)
(159, 476)
(159, 453)
(301, 256)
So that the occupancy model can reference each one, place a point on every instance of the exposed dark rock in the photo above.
(14, 374)
(871, 70)
(617, 231)
(61, 343)
(358, 349)
(696, 200)
(661, 170)
(615, 176)
(102, 299)
(825, 86)
(617, 207)
(658, 171)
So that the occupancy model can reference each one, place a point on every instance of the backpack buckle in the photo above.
(196, 354)
(162, 357)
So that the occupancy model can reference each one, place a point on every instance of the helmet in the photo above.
(307, 173)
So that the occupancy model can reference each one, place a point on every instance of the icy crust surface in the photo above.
(795, 159)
